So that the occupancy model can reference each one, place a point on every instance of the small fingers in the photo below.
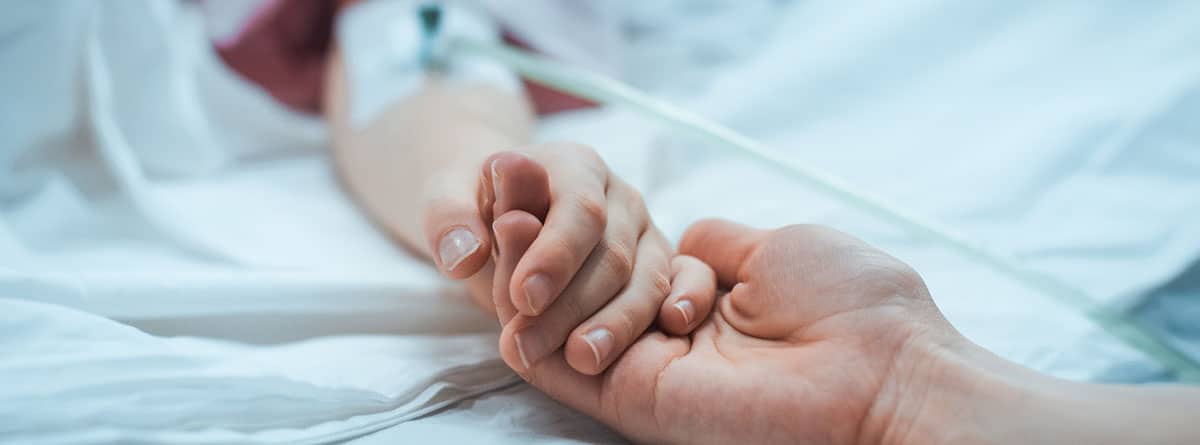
(693, 290)
(515, 231)
(517, 192)
(517, 182)
(597, 342)
(575, 223)
(607, 270)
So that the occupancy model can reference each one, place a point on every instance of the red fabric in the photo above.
(283, 50)
(547, 100)
(284, 46)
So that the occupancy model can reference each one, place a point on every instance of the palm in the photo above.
(798, 349)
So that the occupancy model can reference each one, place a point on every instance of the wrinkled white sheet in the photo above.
(235, 295)
(1062, 133)
(74, 376)
(178, 264)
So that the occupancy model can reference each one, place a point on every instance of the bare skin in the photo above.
(824, 339)
(740, 375)
(434, 169)
(651, 284)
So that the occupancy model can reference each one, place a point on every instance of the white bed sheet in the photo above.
(299, 322)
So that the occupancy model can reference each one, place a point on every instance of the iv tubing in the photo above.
(603, 90)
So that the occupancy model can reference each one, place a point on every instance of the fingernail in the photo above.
(531, 345)
(495, 181)
(537, 292)
(687, 310)
(601, 341)
(455, 246)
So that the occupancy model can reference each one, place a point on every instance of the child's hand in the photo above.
(577, 260)
(608, 273)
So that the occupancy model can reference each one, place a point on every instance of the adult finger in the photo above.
(727, 247)
(693, 290)
(599, 340)
(574, 225)
(624, 396)
(723, 245)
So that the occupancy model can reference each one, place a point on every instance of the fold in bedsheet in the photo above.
(74, 377)
(225, 289)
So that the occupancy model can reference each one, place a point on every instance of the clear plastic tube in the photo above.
(604, 90)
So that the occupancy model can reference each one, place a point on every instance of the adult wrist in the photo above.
(944, 389)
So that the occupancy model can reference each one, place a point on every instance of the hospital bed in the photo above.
(242, 298)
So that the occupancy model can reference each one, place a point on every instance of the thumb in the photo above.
(459, 239)
(723, 245)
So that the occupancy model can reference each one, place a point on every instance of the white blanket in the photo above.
(235, 294)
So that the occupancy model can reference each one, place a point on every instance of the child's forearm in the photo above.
(582, 271)
(436, 139)
(440, 135)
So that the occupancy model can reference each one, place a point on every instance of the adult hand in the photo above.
(819, 340)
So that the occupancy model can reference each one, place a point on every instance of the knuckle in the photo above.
(636, 201)
(904, 278)
(593, 209)
(624, 324)
(575, 308)
(588, 156)
(581, 151)
(660, 283)
(632, 201)
(617, 258)
(559, 248)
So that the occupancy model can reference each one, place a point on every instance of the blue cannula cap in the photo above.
(431, 18)
(430, 14)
